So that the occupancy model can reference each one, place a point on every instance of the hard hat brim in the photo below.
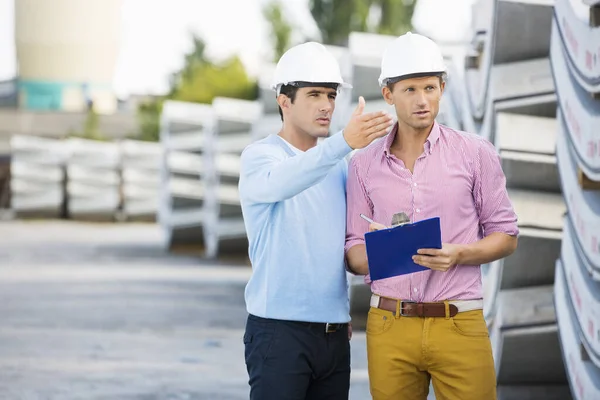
(340, 85)
(386, 81)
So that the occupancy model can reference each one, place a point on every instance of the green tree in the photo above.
(199, 81)
(396, 16)
(192, 61)
(207, 81)
(148, 114)
(281, 30)
(337, 18)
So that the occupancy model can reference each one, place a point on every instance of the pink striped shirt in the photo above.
(458, 178)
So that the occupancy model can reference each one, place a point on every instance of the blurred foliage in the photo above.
(198, 81)
(281, 29)
(91, 128)
(148, 114)
(207, 81)
(396, 16)
(337, 18)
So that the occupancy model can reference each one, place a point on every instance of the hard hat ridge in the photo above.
(306, 64)
(411, 55)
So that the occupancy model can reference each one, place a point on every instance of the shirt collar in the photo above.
(291, 146)
(432, 139)
(389, 139)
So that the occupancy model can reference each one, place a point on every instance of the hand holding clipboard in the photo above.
(390, 251)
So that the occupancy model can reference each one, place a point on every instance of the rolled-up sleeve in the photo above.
(496, 213)
(357, 203)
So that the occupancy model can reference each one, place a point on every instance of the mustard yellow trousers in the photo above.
(405, 353)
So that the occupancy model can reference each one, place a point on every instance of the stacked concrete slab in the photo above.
(583, 374)
(576, 68)
(37, 176)
(235, 120)
(181, 212)
(140, 175)
(522, 39)
(510, 97)
(84, 179)
(93, 179)
(201, 146)
(578, 105)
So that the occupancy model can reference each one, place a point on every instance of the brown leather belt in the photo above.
(412, 309)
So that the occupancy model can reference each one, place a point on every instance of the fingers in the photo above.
(379, 130)
(432, 262)
(374, 124)
(377, 126)
(370, 117)
(434, 267)
(363, 129)
(360, 107)
(426, 264)
(376, 227)
(431, 252)
(376, 119)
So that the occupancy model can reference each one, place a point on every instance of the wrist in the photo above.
(341, 143)
(462, 254)
(346, 139)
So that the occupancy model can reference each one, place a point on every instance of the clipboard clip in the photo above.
(400, 219)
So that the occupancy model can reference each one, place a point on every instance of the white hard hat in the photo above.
(411, 54)
(308, 62)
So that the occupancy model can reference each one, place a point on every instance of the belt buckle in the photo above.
(330, 328)
(402, 308)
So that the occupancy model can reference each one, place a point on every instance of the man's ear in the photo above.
(387, 95)
(443, 86)
(283, 101)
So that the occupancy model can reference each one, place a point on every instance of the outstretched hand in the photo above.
(363, 129)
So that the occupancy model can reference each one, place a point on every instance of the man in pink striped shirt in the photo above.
(429, 325)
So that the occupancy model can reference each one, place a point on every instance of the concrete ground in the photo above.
(102, 312)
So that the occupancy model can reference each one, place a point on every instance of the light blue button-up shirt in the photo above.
(294, 208)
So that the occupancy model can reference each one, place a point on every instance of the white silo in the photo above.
(67, 53)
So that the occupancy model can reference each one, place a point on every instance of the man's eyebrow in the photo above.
(319, 91)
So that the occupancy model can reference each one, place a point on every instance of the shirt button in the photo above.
(418, 210)
(415, 184)
(415, 290)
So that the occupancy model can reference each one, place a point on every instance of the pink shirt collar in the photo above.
(431, 141)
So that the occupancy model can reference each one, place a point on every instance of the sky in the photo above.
(155, 34)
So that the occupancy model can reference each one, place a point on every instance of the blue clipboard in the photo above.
(390, 251)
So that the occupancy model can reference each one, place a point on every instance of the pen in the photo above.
(363, 216)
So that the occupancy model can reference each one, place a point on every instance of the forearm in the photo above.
(274, 182)
(356, 259)
(493, 247)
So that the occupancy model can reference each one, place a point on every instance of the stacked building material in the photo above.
(575, 57)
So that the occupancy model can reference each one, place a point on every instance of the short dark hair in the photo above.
(289, 91)
(392, 81)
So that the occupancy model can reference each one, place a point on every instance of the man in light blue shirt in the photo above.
(294, 205)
